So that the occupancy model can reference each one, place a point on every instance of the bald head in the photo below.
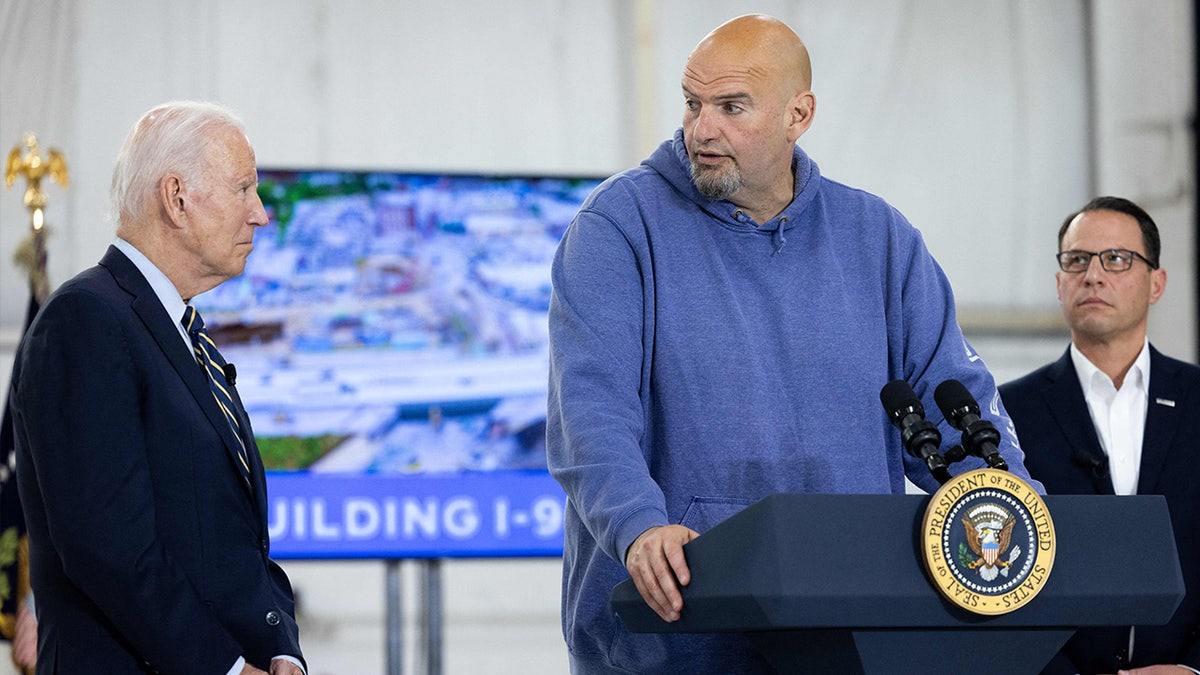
(764, 46)
(747, 100)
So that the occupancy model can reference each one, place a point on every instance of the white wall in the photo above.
(971, 117)
(480, 86)
(1144, 99)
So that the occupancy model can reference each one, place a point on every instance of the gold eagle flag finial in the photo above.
(26, 160)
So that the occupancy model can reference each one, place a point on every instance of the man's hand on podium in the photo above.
(656, 563)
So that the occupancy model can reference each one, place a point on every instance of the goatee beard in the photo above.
(714, 183)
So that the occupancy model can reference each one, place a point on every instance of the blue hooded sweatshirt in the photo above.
(701, 361)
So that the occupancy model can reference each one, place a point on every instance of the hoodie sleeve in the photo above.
(932, 349)
(600, 344)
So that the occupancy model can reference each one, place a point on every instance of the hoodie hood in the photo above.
(671, 161)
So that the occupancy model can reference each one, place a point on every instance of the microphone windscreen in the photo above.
(897, 396)
(952, 395)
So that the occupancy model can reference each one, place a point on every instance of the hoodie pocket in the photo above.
(705, 512)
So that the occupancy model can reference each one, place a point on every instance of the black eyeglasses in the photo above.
(1112, 260)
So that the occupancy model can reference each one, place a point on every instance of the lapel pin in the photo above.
(1165, 401)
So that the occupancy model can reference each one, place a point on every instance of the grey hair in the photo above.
(169, 138)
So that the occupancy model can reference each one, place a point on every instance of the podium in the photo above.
(834, 584)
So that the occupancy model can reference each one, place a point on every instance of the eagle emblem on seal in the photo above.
(989, 534)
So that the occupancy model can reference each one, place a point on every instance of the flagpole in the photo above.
(17, 620)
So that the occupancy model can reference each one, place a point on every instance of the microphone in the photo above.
(979, 436)
(1097, 465)
(230, 373)
(920, 436)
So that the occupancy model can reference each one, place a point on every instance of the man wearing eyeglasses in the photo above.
(1115, 416)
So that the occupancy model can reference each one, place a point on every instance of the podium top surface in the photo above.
(795, 561)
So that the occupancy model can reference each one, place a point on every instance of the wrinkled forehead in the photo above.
(705, 73)
(229, 153)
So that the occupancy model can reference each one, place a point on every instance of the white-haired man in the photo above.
(141, 482)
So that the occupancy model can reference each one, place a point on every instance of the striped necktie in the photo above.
(214, 369)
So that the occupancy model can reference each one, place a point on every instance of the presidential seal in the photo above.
(988, 541)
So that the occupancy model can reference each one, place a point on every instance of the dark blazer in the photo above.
(1063, 451)
(148, 550)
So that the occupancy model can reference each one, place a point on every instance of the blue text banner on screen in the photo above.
(503, 514)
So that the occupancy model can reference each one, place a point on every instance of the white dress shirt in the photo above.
(1119, 415)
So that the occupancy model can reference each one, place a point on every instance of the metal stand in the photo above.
(395, 619)
(429, 623)
(430, 629)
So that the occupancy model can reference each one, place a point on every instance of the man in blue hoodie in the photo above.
(722, 322)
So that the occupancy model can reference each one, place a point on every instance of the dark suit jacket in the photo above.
(1063, 451)
(148, 550)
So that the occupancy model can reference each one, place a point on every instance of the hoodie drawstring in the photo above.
(778, 239)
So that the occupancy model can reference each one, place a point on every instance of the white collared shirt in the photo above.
(1119, 415)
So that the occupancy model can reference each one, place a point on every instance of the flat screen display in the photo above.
(390, 339)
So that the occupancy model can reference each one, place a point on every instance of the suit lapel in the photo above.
(1064, 399)
(1162, 420)
(162, 328)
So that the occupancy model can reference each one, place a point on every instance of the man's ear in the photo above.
(172, 194)
(801, 110)
(1158, 284)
